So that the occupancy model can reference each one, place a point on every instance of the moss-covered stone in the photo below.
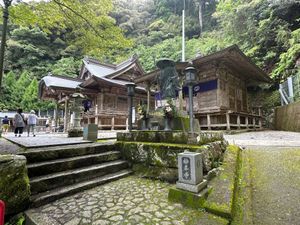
(75, 133)
(156, 172)
(175, 137)
(223, 194)
(164, 155)
(242, 207)
(187, 198)
(14, 183)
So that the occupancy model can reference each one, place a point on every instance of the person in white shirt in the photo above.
(31, 121)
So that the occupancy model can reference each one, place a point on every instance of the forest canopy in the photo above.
(54, 35)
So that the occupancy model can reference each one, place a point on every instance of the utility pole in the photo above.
(7, 3)
(180, 95)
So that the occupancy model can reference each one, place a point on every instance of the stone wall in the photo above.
(288, 117)
(14, 183)
(175, 137)
(159, 160)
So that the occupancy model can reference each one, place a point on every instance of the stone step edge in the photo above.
(69, 159)
(76, 171)
(43, 155)
(49, 196)
(65, 147)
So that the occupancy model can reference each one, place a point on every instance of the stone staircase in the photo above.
(56, 172)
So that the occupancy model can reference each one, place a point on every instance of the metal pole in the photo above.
(191, 108)
(290, 88)
(130, 114)
(183, 33)
(3, 41)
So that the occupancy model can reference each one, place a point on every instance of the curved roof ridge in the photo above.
(64, 77)
(88, 60)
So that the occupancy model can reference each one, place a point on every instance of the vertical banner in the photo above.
(2, 212)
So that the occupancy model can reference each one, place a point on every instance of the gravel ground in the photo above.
(265, 138)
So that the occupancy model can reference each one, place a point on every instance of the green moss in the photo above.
(164, 144)
(14, 183)
(186, 198)
(223, 198)
(175, 137)
(18, 219)
(155, 172)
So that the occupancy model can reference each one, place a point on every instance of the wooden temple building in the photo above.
(104, 86)
(221, 99)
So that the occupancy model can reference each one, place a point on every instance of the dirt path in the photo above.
(275, 175)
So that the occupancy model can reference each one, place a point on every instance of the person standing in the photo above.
(19, 122)
(5, 124)
(32, 120)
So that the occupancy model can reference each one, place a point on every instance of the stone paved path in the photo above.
(275, 175)
(130, 200)
(51, 139)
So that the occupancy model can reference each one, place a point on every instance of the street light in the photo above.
(190, 78)
(130, 92)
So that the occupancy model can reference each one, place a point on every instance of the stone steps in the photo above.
(59, 152)
(59, 171)
(58, 165)
(68, 177)
(49, 196)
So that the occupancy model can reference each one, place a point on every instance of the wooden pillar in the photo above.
(148, 87)
(260, 118)
(247, 122)
(227, 121)
(55, 115)
(66, 116)
(113, 123)
(89, 120)
(238, 121)
(208, 122)
(101, 101)
(253, 122)
(127, 123)
(96, 115)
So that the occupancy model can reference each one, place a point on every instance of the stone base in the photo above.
(192, 188)
(187, 198)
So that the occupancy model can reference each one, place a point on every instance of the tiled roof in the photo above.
(64, 82)
(103, 70)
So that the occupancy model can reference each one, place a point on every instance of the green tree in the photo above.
(8, 99)
(66, 67)
(32, 50)
(87, 26)
(30, 96)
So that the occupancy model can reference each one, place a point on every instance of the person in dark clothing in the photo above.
(5, 125)
(19, 122)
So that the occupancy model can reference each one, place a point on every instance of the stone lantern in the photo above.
(130, 93)
(190, 78)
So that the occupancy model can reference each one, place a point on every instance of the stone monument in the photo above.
(190, 172)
